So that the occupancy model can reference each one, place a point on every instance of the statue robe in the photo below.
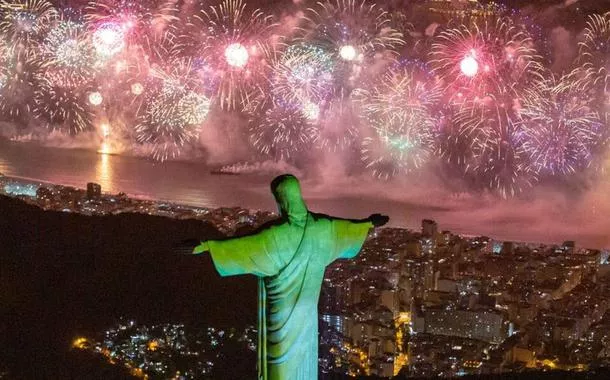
(289, 259)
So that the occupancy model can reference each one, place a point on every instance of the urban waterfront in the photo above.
(139, 140)
(550, 218)
(423, 303)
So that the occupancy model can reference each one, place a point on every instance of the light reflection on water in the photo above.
(103, 171)
(182, 182)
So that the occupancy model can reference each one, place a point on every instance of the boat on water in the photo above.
(223, 172)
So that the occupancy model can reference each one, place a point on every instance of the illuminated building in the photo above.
(603, 257)
(428, 246)
(389, 299)
(520, 354)
(94, 190)
(18, 188)
(508, 248)
(44, 195)
(482, 325)
(429, 228)
(413, 248)
(445, 237)
(335, 322)
(568, 247)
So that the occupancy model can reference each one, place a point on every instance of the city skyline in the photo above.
(138, 141)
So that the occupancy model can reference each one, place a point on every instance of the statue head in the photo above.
(287, 192)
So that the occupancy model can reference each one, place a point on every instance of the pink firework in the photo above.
(236, 42)
(493, 57)
(496, 156)
(562, 128)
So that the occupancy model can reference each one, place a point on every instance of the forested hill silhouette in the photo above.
(63, 274)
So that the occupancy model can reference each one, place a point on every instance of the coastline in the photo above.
(57, 197)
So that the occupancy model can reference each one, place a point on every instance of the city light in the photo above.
(153, 345)
(463, 316)
(444, 107)
(80, 343)
(170, 350)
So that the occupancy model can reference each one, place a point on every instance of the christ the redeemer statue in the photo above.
(289, 258)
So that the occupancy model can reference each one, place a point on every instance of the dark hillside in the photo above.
(63, 273)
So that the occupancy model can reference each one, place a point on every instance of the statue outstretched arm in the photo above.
(186, 247)
(202, 247)
(349, 234)
(256, 254)
(377, 220)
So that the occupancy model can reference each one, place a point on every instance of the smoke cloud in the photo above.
(564, 49)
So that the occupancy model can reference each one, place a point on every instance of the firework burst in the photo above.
(497, 156)
(18, 81)
(193, 108)
(67, 56)
(561, 129)
(161, 124)
(62, 108)
(282, 132)
(174, 110)
(400, 23)
(303, 75)
(401, 102)
(236, 41)
(357, 34)
(108, 39)
(408, 87)
(594, 52)
(495, 58)
(401, 143)
(350, 29)
(25, 22)
(135, 19)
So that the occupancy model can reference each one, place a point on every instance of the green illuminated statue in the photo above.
(289, 257)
